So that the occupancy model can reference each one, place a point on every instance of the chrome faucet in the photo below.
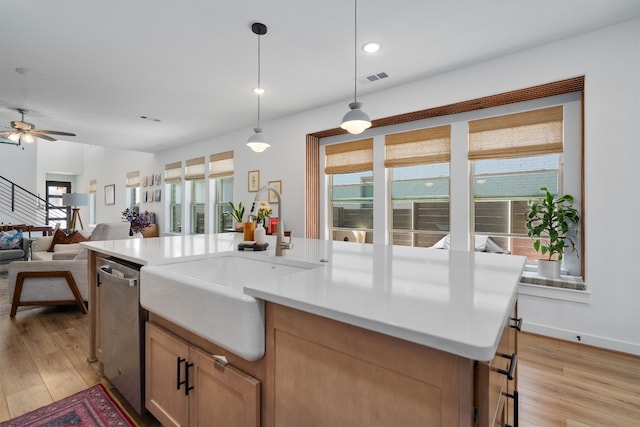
(281, 245)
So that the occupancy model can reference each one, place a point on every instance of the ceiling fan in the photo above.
(21, 131)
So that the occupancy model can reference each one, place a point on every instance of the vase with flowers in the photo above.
(138, 221)
(264, 212)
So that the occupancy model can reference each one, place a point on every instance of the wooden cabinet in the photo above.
(187, 387)
(339, 374)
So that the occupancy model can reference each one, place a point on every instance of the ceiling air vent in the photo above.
(373, 78)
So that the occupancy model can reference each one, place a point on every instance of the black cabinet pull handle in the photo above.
(179, 362)
(186, 374)
(518, 324)
(513, 396)
(512, 367)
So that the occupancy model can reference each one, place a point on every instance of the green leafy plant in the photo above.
(548, 222)
(237, 213)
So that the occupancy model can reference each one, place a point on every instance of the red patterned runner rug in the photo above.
(93, 407)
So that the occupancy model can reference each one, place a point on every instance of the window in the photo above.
(93, 189)
(133, 191)
(194, 175)
(418, 163)
(350, 169)
(513, 157)
(221, 181)
(173, 188)
(57, 213)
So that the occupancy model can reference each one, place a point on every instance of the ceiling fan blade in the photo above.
(54, 132)
(39, 134)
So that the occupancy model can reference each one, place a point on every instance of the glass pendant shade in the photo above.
(258, 141)
(355, 121)
(14, 136)
(28, 139)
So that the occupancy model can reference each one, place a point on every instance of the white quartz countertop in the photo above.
(453, 301)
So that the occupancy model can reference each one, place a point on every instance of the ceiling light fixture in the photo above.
(258, 142)
(371, 47)
(355, 121)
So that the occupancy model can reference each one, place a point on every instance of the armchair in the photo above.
(58, 281)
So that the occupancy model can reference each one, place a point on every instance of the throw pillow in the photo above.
(11, 239)
(60, 238)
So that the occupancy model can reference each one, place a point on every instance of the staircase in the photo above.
(20, 206)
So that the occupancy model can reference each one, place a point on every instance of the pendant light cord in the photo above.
(355, 50)
(259, 87)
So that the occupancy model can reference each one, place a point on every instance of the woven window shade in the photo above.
(194, 169)
(418, 147)
(93, 186)
(530, 133)
(348, 157)
(133, 179)
(221, 165)
(173, 172)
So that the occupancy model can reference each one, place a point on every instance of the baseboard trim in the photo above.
(592, 340)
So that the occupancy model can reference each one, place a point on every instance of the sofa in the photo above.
(13, 246)
(58, 277)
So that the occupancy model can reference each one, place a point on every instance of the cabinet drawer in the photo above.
(492, 381)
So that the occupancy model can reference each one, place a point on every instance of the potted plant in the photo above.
(237, 213)
(548, 222)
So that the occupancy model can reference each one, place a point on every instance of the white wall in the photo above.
(609, 315)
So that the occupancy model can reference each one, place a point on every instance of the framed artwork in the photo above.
(150, 196)
(157, 179)
(156, 196)
(150, 179)
(144, 196)
(110, 194)
(254, 181)
(144, 181)
(278, 186)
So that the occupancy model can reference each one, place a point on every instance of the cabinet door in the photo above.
(164, 399)
(224, 396)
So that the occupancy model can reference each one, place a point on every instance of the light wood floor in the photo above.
(43, 358)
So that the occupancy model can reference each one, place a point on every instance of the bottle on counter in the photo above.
(259, 234)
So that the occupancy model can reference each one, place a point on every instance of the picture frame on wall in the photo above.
(144, 181)
(253, 179)
(157, 179)
(150, 196)
(156, 196)
(110, 194)
(278, 186)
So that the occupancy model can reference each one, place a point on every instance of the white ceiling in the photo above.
(93, 66)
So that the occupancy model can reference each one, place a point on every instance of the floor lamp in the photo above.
(75, 200)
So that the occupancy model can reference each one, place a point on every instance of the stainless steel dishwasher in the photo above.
(122, 328)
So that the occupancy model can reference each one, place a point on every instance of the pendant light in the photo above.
(355, 121)
(258, 142)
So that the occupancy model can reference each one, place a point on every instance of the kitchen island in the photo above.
(374, 333)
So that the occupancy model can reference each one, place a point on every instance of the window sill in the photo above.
(566, 288)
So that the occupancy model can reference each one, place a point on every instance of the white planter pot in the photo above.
(548, 268)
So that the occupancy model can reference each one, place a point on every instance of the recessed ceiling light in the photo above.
(371, 47)
(258, 90)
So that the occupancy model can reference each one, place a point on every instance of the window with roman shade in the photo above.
(350, 168)
(133, 191)
(173, 172)
(133, 179)
(513, 157)
(221, 164)
(418, 164)
(530, 133)
(221, 174)
(194, 169)
(173, 178)
(348, 157)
